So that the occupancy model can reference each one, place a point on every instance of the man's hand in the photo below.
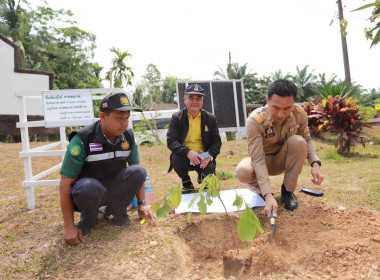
(146, 212)
(72, 235)
(270, 205)
(194, 157)
(317, 174)
(205, 162)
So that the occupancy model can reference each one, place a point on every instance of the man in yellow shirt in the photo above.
(192, 132)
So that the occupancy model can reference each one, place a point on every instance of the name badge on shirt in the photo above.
(269, 132)
(125, 145)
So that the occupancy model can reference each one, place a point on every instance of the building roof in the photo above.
(159, 107)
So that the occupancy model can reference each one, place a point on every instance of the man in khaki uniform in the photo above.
(278, 142)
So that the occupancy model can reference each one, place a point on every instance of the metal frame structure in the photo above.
(44, 151)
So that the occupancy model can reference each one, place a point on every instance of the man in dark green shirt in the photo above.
(101, 168)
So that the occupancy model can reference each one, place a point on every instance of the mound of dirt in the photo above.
(312, 242)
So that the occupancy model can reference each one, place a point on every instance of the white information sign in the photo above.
(68, 107)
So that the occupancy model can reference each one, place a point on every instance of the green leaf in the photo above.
(155, 206)
(376, 39)
(202, 186)
(171, 193)
(238, 201)
(189, 215)
(193, 200)
(364, 7)
(163, 212)
(256, 221)
(202, 205)
(214, 181)
(177, 195)
(215, 192)
(248, 225)
(209, 201)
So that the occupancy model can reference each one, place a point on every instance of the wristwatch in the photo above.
(143, 202)
(316, 161)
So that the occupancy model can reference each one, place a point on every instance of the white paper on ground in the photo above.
(228, 198)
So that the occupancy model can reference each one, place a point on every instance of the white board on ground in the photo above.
(228, 198)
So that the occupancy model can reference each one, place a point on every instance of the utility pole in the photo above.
(110, 78)
(344, 45)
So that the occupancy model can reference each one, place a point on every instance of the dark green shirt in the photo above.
(75, 158)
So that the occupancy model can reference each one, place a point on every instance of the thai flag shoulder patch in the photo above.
(96, 147)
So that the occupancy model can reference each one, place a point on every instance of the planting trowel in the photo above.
(273, 223)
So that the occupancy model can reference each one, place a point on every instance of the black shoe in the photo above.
(199, 179)
(121, 221)
(290, 202)
(187, 187)
(83, 226)
(188, 190)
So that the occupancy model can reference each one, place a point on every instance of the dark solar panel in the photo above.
(222, 99)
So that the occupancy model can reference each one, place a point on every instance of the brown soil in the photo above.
(313, 242)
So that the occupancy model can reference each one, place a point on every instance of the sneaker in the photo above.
(83, 226)
(290, 202)
(121, 221)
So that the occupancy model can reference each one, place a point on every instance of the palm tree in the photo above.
(370, 98)
(341, 88)
(138, 96)
(322, 80)
(253, 86)
(120, 71)
(305, 82)
(277, 75)
(234, 71)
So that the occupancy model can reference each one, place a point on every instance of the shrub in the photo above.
(339, 116)
(313, 122)
(368, 113)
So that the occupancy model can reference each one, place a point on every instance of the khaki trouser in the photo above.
(289, 160)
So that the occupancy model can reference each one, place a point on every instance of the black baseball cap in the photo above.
(194, 89)
(117, 102)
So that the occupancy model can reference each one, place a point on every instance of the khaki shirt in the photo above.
(266, 137)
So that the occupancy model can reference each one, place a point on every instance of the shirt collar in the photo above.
(118, 139)
(189, 116)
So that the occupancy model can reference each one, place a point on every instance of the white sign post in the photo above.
(68, 108)
(62, 108)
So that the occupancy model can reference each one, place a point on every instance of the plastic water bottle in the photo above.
(148, 186)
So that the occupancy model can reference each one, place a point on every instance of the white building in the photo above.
(15, 79)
